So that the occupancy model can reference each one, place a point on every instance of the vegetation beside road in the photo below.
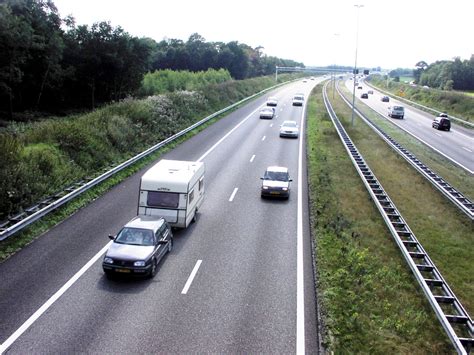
(40, 158)
(453, 103)
(457, 177)
(369, 300)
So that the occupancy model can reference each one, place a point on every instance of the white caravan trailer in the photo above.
(174, 190)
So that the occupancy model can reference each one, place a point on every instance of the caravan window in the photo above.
(191, 196)
(162, 199)
(201, 184)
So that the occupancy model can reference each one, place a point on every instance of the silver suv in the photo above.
(396, 111)
(138, 247)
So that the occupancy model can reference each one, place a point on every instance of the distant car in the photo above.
(442, 122)
(370, 92)
(267, 112)
(138, 247)
(298, 100)
(289, 129)
(364, 95)
(276, 182)
(312, 78)
(305, 81)
(385, 99)
(396, 111)
(359, 87)
(272, 101)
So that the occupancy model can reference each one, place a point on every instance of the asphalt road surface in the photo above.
(457, 145)
(240, 280)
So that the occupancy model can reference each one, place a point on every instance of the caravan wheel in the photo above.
(194, 220)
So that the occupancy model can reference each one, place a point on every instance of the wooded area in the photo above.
(51, 64)
(446, 74)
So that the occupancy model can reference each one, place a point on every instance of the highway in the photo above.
(240, 280)
(457, 145)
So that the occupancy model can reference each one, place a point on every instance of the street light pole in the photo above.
(355, 64)
(334, 69)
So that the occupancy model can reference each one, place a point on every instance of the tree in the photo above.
(420, 67)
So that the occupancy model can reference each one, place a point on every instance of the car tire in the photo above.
(170, 245)
(109, 275)
(153, 269)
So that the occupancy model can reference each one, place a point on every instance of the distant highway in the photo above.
(457, 144)
(240, 280)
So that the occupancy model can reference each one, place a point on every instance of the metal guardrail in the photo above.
(462, 202)
(453, 317)
(38, 211)
(464, 122)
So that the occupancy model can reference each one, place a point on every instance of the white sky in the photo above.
(392, 33)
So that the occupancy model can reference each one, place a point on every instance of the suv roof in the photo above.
(146, 222)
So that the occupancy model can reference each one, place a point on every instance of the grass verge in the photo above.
(13, 244)
(369, 300)
(444, 231)
(453, 174)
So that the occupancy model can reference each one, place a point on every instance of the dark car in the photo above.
(364, 95)
(442, 122)
(385, 99)
(138, 247)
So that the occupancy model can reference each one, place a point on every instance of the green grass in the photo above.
(455, 103)
(13, 244)
(370, 301)
(444, 231)
(406, 79)
(453, 174)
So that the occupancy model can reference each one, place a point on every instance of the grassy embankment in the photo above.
(454, 103)
(40, 158)
(369, 299)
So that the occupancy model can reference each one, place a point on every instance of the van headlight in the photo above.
(265, 187)
(285, 188)
(139, 263)
(108, 260)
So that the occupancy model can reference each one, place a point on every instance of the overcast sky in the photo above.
(392, 33)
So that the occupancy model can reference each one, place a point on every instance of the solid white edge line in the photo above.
(251, 159)
(467, 149)
(300, 322)
(51, 300)
(10, 340)
(191, 277)
(227, 134)
(233, 194)
(426, 143)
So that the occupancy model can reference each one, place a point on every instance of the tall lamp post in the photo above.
(355, 64)
(334, 71)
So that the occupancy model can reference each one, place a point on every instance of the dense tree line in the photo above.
(446, 75)
(49, 63)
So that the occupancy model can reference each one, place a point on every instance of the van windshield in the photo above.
(162, 199)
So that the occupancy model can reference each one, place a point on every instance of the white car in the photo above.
(272, 101)
(276, 182)
(298, 100)
(267, 112)
(289, 129)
